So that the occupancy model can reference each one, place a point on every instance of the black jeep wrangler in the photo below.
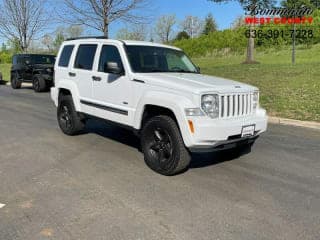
(34, 68)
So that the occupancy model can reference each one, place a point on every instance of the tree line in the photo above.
(26, 23)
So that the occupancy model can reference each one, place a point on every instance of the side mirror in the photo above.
(198, 70)
(114, 68)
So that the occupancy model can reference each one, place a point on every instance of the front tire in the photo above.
(39, 84)
(163, 147)
(69, 120)
(15, 82)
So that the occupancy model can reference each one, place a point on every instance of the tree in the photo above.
(137, 32)
(192, 25)
(164, 27)
(248, 4)
(182, 35)
(21, 20)
(238, 23)
(3, 47)
(47, 41)
(74, 31)
(59, 39)
(99, 14)
(210, 25)
(299, 3)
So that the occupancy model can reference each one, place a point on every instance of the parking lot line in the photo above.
(1, 205)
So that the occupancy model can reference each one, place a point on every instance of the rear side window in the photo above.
(109, 53)
(85, 56)
(15, 60)
(65, 56)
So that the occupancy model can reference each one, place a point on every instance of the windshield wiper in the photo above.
(183, 71)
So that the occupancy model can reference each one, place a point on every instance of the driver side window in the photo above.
(109, 54)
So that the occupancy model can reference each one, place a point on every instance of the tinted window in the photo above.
(43, 59)
(14, 60)
(109, 54)
(85, 57)
(65, 56)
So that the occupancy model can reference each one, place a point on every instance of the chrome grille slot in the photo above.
(234, 105)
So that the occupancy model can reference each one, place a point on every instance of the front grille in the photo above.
(235, 105)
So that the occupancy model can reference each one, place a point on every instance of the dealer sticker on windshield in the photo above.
(248, 131)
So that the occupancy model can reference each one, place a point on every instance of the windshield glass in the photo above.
(43, 59)
(146, 59)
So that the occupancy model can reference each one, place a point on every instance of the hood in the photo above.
(195, 83)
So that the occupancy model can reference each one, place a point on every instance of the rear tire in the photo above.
(69, 120)
(15, 82)
(39, 84)
(163, 147)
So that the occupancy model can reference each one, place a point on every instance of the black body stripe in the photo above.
(107, 108)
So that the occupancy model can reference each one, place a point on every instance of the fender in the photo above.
(174, 102)
(72, 87)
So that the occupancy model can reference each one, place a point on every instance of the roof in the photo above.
(152, 44)
(127, 42)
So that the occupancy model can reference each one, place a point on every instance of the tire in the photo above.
(39, 84)
(163, 147)
(15, 82)
(69, 120)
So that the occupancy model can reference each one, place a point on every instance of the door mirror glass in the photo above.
(113, 67)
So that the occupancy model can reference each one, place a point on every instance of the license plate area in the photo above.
(248, 131)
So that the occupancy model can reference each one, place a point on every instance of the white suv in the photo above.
(157, 91)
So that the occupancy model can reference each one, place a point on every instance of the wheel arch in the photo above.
(160, 103)
(69, 90)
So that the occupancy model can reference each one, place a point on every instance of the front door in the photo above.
(112, 91)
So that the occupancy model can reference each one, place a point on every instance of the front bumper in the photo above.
(210, 134)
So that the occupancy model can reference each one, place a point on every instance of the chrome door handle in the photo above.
(95, 78)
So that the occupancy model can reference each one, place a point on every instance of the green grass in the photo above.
(5, 70)
(286, 90)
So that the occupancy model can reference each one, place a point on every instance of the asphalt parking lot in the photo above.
(96, 185)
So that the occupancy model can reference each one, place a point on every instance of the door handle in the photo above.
(71, 74)
(95, 78)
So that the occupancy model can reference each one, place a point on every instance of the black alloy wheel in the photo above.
(15, 82)
(160, 148)
(163, 146)
(36, 85)
(65, 118)
(69, 120)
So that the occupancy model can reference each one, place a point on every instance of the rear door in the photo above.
(63, 66)
(82, 70)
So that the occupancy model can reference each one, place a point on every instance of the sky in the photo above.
(224, 13)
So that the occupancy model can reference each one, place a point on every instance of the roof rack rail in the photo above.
(88, 37)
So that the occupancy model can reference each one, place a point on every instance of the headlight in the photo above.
(255, 100)
(210, 105)
(49, 70)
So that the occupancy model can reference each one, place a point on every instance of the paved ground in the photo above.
(96, 186)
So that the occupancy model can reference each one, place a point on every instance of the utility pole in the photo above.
(294, 44)
(294, 39)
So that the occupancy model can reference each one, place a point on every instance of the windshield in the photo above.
(146, 59)
(43, 59)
